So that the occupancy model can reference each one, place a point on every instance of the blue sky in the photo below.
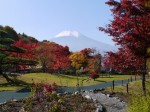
(43, 19)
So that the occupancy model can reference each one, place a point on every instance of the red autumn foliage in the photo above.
(61, 57)
(130, 28)
(123, 61)
(53, 56)
(94, 75)
(87, 52)
(41, 89)
(30, 50)
(45, 56)
(130, 25)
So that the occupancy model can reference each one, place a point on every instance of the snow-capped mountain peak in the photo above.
(77, 41)
(68, 33)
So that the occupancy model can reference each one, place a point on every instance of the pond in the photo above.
(9, 95)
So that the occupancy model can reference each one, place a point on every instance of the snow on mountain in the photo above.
(76, 42)
(68, 33)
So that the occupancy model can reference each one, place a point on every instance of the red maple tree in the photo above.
(29, 47)
(130, 28)
(52, 56)
(61, 57)
(123, 61)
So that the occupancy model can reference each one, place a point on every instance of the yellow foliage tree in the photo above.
(77, 60)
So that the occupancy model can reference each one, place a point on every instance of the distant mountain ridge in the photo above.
(77, 41)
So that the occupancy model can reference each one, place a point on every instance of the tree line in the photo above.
(20, 51)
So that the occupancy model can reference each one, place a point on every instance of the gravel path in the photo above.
(111, 104)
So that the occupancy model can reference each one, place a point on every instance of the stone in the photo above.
(76, 92)
(108, 95)
(83, 91)
(100, 108)
(14, 100)
(87, 96)
(102, 89)
(94, 99)
(91, 90)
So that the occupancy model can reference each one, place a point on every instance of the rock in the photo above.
(76, 92)
(108, 95)
(91, 90)
(100, 108)
(94, 99)
(96, 90)
(65, 92)
(102, 89)
(108, 102)
(22, 110)
(83, 91)
(14, 100)
(87, 96)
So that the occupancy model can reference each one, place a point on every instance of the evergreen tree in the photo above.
(6, 54)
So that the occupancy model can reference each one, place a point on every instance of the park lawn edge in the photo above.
(67, 80)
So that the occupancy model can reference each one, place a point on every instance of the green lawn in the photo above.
(137, 102)
(61, 80)
(135, 88)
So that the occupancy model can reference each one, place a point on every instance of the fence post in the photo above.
(122, 82)
(127, 88)
(113, 84)
(131, 78)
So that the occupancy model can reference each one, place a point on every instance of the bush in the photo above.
(40, 89)
(57, 103)
(94, 75)
(69, 71)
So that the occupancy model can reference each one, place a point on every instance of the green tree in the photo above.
(11, 33)
(6, 54)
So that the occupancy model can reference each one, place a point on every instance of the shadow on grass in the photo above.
(17, 83)
(100, 80)
(67, 76)
(107, 77)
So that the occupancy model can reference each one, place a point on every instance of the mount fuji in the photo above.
(77, 41)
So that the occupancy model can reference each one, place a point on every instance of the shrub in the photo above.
(58, 103)
(94, 75)
(40, 89)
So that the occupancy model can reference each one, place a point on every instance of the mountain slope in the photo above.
(76, 42)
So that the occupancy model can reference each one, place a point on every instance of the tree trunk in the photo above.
(5, 76)
(44, 68)
(1, 72)
(143, 84)
(143, 77)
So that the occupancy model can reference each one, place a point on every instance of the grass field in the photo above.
(137, 102)
(61, 80)
(135, 88)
